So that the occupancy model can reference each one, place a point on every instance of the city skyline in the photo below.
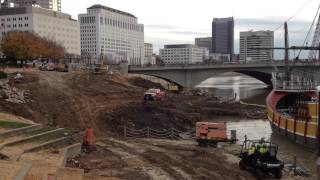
(183, 27)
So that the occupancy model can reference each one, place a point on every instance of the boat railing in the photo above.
(295, 82)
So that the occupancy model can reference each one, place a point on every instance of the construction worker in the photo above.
(252, 150)
(263, 150)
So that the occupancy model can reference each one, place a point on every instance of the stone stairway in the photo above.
(30, 159)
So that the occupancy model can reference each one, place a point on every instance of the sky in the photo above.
(180, 21)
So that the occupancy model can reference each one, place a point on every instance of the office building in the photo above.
(254, 39)
(149, 57)
(223, 36)
(181, 54)
(204, 42)
(54, 5)
(55, 26)
(112, 33)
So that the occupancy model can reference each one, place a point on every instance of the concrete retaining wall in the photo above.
(69, 152)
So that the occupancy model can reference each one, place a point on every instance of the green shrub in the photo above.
(3, 75)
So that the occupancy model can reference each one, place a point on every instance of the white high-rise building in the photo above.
(149, 57)
(112, 34)
(54, 5)
(182, 54)
(251, 41)
(52, 25)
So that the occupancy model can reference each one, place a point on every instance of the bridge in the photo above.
(190, 76)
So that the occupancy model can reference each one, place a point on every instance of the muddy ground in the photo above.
(108, 102)
(159, 159)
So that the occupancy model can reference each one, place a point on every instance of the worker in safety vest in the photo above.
(251, 150)
(263, 150)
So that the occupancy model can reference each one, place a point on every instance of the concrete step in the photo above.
(69, 173)
(14, 170)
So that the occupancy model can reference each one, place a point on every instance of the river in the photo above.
(250, 90)
(238, 86)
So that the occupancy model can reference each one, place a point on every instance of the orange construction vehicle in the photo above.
(211, 133)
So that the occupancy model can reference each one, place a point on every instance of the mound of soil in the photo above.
(108, 102)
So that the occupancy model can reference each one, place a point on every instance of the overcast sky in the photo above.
(180, 21)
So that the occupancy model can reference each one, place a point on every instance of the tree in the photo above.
(21, 46)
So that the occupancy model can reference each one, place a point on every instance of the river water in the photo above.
(247, 89)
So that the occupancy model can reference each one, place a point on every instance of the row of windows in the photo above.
(15, 19)
(88, 35)
(87, 20)
(120, 24)
(15, 25)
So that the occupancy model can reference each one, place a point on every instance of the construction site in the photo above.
(45, 116)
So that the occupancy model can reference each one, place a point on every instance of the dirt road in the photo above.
(161, 160)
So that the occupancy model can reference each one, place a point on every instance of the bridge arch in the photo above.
(261, 76)
(191, 77)
(167, 80)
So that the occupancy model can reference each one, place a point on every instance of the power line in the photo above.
(296, 13)
(310, 29)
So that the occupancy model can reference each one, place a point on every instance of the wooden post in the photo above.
(318, 168)
(125, 131)
(172, 133)
(295, 165)
(148, 132)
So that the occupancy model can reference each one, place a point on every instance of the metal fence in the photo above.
(151, 133)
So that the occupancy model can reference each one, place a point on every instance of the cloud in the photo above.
(161, 26)
(191, 33)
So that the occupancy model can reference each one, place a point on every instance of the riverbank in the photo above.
(108, 102)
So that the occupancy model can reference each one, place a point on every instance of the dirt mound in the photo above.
(108, 102)
(140, 82)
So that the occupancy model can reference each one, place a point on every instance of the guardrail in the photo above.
(148, 132)
(274, 62)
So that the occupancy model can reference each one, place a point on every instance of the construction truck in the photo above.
(208, 133)
(62, 67)
(153, 95)
(173, 88)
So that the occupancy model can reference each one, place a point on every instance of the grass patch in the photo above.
(39, 131)
(12, 125)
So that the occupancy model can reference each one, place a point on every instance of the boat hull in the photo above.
(308, 142)
(303, 132)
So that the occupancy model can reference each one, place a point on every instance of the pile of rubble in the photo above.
(12, 94)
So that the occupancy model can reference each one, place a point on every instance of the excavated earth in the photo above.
(108, 102)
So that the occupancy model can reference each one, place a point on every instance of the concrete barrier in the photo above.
(69, 152)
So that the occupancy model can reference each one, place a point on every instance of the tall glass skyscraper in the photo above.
(223, 36)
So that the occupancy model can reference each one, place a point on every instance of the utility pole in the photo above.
(286, 53)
